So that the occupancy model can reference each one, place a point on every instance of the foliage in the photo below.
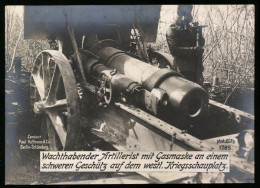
(15, 44)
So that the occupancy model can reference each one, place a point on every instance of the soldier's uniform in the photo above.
(181, 44)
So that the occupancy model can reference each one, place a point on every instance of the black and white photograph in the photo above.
(129, 94)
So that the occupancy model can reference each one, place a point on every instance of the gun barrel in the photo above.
(185, 97)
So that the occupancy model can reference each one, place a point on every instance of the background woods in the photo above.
(15, 45)
(230, 48)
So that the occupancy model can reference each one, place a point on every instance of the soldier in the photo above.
(186, 45)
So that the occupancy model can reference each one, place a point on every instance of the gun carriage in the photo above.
(94, 84)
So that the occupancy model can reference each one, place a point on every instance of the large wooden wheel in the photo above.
(161, 60)
(54, 96)
(160, 63)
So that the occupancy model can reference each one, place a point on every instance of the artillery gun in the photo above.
(93, 84)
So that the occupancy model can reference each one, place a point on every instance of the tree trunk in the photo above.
(17, 42)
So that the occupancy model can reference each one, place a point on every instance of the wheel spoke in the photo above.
(45, 72)
(54, 85)
(59, 104)
(44, 128)
(51, 134)
(58, 126)
(39, 84)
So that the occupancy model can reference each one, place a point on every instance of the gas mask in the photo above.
(184, 16)
(184, 21)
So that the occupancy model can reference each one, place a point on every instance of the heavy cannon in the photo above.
(94, 83)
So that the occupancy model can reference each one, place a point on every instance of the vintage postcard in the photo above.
(129, 94)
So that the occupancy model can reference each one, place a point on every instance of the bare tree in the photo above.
(229, 48)
(15, 44)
